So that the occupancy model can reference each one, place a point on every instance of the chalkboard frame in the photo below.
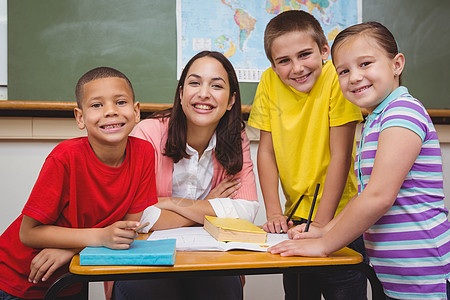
(65, 109)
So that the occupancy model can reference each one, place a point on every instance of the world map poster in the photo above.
(236, 28)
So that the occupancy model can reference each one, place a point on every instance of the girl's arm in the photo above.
(397, 150)
(341, 147)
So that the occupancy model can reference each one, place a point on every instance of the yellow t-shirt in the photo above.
(300, 126)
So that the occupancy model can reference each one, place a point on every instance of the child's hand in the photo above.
(227, 188)
(277, 224)
(298, 232)
(309, 247)
(46, 262)
(119, 235)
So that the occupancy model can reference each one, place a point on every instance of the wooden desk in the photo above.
(189, 264)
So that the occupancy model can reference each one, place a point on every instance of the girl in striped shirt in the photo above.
(400, 202)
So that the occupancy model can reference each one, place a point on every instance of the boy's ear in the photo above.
(325, 52)
(137, 111)
(399, 64)
(79, 118)
(231, 102)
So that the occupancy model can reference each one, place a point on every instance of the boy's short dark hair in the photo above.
(289, 21)
(98, 73)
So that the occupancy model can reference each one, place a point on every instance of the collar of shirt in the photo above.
(392, 96)
(211, 145)
(192, 177)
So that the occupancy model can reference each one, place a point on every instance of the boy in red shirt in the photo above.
(91, 191)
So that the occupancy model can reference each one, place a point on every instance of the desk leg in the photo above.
(64, 281)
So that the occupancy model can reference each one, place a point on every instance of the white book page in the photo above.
(198, 239)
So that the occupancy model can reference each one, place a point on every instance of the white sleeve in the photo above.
(235, 208)
(151, 214)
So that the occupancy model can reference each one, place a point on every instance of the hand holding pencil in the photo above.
(118, 235)
(142, 226)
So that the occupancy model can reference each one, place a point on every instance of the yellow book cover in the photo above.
(234, 230)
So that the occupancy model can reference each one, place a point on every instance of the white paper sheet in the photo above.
(198, 239)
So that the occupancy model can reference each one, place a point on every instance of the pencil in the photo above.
(312, 207)
(142, 226)
(294, 209)
(292, 212)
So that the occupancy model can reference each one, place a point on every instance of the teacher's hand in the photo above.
(227, 188)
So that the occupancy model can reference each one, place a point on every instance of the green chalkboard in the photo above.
(422, 31)
(51, 43)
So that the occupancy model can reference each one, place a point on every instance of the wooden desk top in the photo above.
(198, 261)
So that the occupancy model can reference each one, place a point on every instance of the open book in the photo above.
(198, 239)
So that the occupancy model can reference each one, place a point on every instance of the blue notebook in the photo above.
(141, 252)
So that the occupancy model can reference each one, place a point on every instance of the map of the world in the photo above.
(236, 28)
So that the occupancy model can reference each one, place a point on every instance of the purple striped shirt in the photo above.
(409, 246)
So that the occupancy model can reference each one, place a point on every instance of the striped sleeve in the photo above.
(406, 113)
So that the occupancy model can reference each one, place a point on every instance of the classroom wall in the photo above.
(25, 143)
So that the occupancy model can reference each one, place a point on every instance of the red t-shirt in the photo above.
(75, 189)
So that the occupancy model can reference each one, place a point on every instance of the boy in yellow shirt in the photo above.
(307, 131)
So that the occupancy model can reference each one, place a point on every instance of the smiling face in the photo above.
(108, 112)
(367, 75)
(205, 95)
(298, 59)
